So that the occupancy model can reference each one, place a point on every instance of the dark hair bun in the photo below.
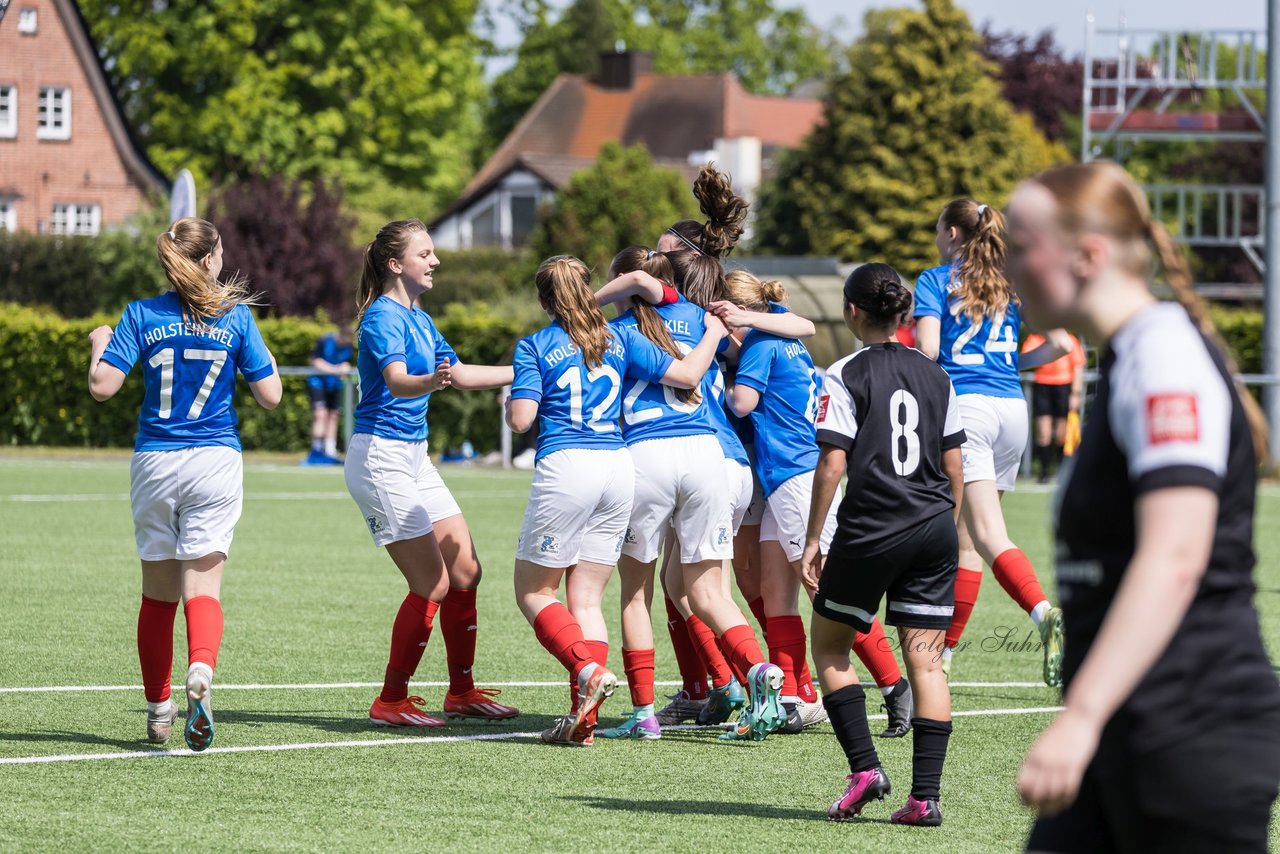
(877, 289)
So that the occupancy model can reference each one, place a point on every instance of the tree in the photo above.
(916, 121)
(381, 93)
(292, 245)
(1037, 78)
(770, 49)
(621, 200)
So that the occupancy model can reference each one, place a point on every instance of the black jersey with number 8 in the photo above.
(893, 410)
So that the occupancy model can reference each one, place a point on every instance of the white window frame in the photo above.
(47, 94)
(67, 218)
(9, 116)
(28, 20)
(8, 214)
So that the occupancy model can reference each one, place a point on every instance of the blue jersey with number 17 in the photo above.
(782, 371)
(980, 357)
(188, 371)
(579, 407)
(654, 411)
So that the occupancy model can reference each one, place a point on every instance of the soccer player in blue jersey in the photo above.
(332, 358)
(569, 378)
(186, 478)
(402, 499)
(679, 484)
(969, 321)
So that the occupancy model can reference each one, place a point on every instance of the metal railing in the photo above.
(350, 394)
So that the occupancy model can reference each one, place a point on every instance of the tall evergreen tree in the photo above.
(917, 120)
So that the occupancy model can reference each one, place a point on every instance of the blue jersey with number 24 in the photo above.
(188, 371)
(981, 357)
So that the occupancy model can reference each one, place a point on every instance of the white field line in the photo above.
(382, 742)
(324, 686)
(250, 495)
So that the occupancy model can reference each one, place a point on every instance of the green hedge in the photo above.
(1241, 328)
(43, 358)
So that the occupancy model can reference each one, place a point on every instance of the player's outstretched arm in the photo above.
(635, 284)
(479, 377)
(688, 372)
(1175, 529)
(1057, 343)
(785, 324)
(104, 379)
(401, 383)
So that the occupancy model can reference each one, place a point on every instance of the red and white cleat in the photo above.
(478, 704)
(409, 712)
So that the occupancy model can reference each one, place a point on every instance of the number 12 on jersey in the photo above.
(572, 379)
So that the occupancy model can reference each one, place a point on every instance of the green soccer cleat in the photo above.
(1052, 639)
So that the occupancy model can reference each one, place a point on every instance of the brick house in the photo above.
(683, 120)
(67, 162)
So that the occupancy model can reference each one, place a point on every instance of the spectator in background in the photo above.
(1057, 392)
(332, 358)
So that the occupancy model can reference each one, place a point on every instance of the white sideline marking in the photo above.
(382, 742)
(322, 686)
(250, 495)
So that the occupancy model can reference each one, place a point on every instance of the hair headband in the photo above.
(172, 236)
(981, 209)
(688, 244)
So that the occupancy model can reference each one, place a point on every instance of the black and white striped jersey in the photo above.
(893, 410)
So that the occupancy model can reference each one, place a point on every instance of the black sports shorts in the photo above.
(918, 576)
(329, 398)
(1053, 401)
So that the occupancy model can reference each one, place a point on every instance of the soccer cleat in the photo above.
(477, 705)
(596, 684)
(898, 705)
(562, 732)
(199, 729)
(719, 706)
(680, 710)
(805, 715)
(409, 712)
(920, 813)
(946, 664)
(160, 722)
(864, 787)
(737, 696)
(1051, 638)
(766, 712)
(742, 730)
(635, 727)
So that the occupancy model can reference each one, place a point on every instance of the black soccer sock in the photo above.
(929, 749)
(847, 709)
(1044, 457)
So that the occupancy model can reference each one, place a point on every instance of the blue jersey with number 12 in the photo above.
(188, 371)
(981, 357)
(653, 411)
(782, 371)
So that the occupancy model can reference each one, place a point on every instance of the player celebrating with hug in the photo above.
(402, 499)
(187, 476)
(888, 415)
(569, 377)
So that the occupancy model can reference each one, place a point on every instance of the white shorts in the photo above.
(786, 516)
(680, 483)
(185, 503)
(741, 484)
(995, 430)
(397, 488)
(578, 507)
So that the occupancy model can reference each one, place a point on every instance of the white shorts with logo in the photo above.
(186, 502)
(397, 488)
(741, 486)
(786, 516)
(995, 430)
(578, 507)
(680, 483)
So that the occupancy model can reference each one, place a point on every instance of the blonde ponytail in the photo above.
(182, 250)
(983, 290)
(564, 287)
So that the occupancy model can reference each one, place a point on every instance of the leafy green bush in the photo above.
(44, 358)
(1241, 328)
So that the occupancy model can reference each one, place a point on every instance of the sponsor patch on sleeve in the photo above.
(823, 403)
(1172, 418)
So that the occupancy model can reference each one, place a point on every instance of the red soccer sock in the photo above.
(458, 625)
(757, 609)
(727, 652)
(874, 652)
(713, 661)
(638, 664)
(155, 647)
(560, 634)
(600, 655)
(787, 650)
(742, 648)
(1017, 576)
(409, 636)
(692, 670)
(204, 630)
(968, 583)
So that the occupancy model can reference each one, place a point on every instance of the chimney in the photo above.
(619, 69)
